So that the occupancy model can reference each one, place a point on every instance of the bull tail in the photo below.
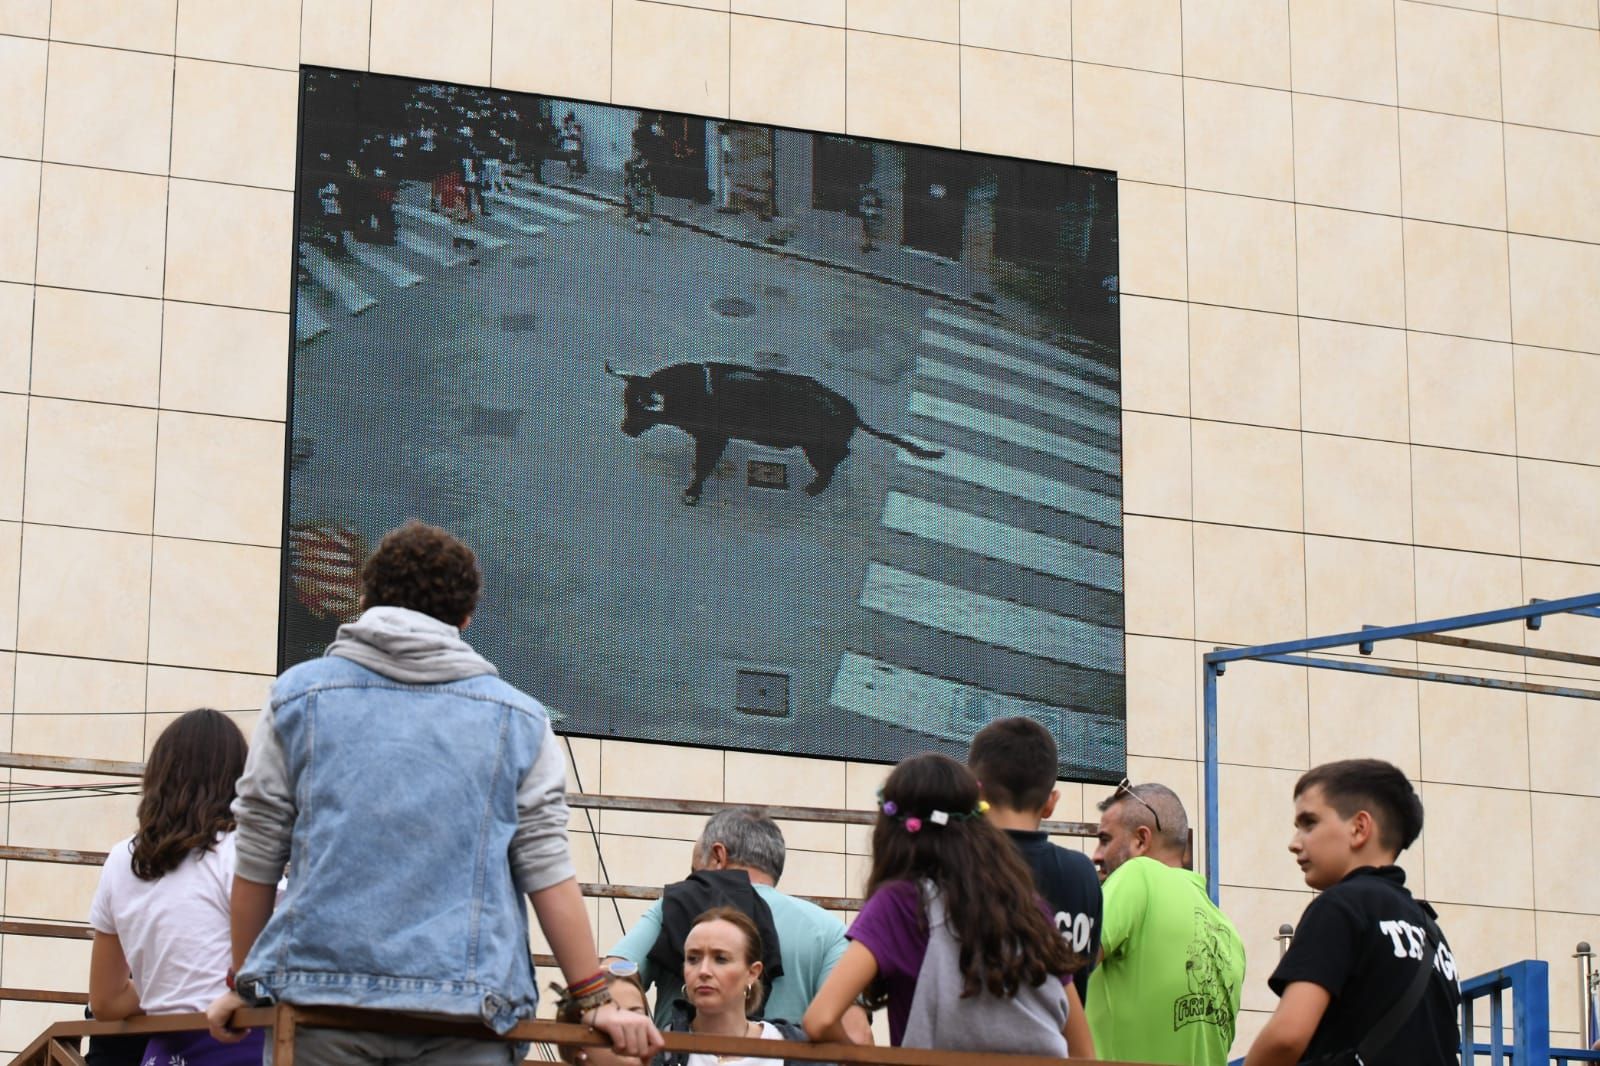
(900, 442)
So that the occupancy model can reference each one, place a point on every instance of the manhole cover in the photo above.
(492, 421)
(521, 261)
(733, 307)
(524, 322)
(850, 338)
(772, 360)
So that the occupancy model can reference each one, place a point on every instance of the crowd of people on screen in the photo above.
(373, 847)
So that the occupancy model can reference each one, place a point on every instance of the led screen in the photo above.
(766, 439)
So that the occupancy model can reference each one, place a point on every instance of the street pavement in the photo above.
(458, 376)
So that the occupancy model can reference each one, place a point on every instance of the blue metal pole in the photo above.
(1213, 844)
(1530, 1011)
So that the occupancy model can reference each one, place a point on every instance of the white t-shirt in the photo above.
(174, 930)
(768, 1032)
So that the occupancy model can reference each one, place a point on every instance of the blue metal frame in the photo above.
(1528, 982)
(1293, 652)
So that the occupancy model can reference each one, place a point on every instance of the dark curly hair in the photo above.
(1006, 940)
(188, 791)
(423, 568)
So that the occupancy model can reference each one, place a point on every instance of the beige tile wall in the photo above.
(1361, 339)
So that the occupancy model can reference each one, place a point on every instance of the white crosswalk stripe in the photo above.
(484, 241)
(990, 620)
(343, 287)
(1012, 431)
(308, 325)
(444, 256)
(533, 207)
(1061, 379)
(372, 259)
(501, 218)
(1057, 356)
(585, 203)
(922, 702)
(1023, 484)
(996, 540)
(1033, 400)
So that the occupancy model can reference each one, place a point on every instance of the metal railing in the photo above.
(1528, 1040)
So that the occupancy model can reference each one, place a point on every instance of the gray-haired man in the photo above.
(810, 939)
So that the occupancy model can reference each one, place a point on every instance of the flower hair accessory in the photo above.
(916, 823)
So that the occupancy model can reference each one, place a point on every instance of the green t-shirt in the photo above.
(1168, 990)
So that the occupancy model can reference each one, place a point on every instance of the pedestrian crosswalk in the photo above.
(994, 585)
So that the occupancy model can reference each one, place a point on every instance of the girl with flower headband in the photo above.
(952, 937)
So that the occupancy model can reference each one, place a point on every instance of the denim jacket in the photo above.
(407, 810)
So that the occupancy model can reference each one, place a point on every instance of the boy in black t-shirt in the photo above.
(1361, 940)
(1014, 759)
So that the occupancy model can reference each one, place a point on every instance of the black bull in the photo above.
(718, 402)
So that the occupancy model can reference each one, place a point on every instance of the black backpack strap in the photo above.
(1389, 1025)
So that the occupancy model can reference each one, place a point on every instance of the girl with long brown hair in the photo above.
(160, 913)
(952, 937)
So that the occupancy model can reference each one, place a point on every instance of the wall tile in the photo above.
(1161, 698)
(787, 73)
(1155, 356)
(1354, 379)
(1155, 465)
(1241, 252)
(1261, 715)
(1150, 239)
(1158, 577)
(19, 205)
(1257, 913)
(108, 108)
(1344, 48)
(1352, 583)
(1558, 881)
(1461, 393)
(554, 46)
(1238, 138)
(624, 765)
(90, 464)
(1456, 720)
(1357, 488)
(1458, 818)
(1138, 34)
(1552, 581)
(1560, 509)
(1552, 302)
(234, 124)
(1453, 169)
(1449, 60)
(172, 691)
(224, 360)
(260, 227)
(446, 40)
(1562, 745)
(822, 12)
(264, 33)
(1553, 183)
(1465, 500)
(749, 777)
(216, 479)
(1484, 938)
(1016, 105)
(1456, 582)
(1018, 26)
(1237, 40)
(13, 446)
(673, 57)
(932, 20)
(83, 736)
(1570, 12)
(214, 606)
(1552, 418)
(1247, 475)
(1130, 121)
(337, 33)
(903, 89)
(1256, 811)
(10, 568)
(142, 25)
(1249, 585)
(1346, 154)
(1550, 75)
(83, 566)
(94, 346)
(22, 71)
(98, 822)
(16, 336)
(1457, 281)
(1557, 935)
(25, 18)
(100, 229)
(1351, 266)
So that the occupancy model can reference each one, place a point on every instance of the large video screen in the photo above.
(766, 439)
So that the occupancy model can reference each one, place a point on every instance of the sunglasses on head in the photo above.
(1125, 788)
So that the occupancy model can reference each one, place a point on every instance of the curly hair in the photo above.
(423, 568)
(188, 791)
(991, 905)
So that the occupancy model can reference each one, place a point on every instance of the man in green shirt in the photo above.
(1167, 990)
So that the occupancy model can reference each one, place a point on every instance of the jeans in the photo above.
(357, 1047)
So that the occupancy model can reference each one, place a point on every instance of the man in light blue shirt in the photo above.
(810, 940)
